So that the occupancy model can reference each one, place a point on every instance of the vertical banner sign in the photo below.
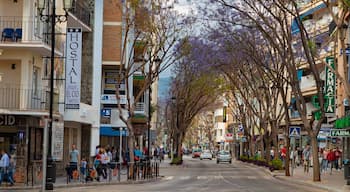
(224, 111)
(57, 140)
(73, 67)
(330, 87)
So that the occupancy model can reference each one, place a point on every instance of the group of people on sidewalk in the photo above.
(105, 158)
(80, 168)
(328, 158)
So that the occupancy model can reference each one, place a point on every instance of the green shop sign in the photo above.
(330, 87)
(342, 123)
(340, 133)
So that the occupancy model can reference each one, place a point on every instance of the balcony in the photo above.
(26, 33)
(140, 108)
(80, 16)
(307, 82)
(17, 99)
(294, 114)
(112, 99)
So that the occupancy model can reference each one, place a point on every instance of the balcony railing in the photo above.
(140, 108)
(307, 82)
(81, 12)
(28, 30)
(24, 99)
(294, 114)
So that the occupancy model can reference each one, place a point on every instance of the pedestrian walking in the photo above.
(283, 155)
(337, 158)
(83, 169)
(306, 158)
(331, 159)
(4, 167)
(73, 161)
(324, 160)
(293, 157)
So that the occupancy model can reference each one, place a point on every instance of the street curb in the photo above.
(290, 179)
(284, 178)
(81, 184)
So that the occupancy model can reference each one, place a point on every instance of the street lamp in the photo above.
(52, 18)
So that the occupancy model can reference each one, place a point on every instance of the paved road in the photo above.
(205, 176)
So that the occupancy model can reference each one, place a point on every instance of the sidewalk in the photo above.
(334, 182)
(331, 182)
(61, 182)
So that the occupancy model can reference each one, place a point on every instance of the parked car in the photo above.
(223, 156)
(206, 155)
(196, 153)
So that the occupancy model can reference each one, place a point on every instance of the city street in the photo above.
(203, 176)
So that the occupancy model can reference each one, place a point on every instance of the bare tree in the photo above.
(149, 34)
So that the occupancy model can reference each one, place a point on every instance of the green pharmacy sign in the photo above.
(340, 133)
(330, 87)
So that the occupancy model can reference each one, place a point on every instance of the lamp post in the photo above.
(52, 18)
(149, 124)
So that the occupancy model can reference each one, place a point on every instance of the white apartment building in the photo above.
(25, 65)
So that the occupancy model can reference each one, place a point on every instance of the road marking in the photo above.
(169, 178)
(251, 177)
(185, 177)
(218, 177)
(202, 177)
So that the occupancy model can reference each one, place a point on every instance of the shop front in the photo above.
(21, 136)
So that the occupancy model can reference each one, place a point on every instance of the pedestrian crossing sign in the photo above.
(294, 131)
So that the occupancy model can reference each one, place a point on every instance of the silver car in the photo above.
(206, 155)
(223, 156)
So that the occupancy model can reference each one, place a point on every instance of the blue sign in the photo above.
(294, 131)
(240, 127)
(106, 112)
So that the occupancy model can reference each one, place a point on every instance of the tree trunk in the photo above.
(268, 149)
(316, 163)
(131, 141)
(261, 146)
(286, 164)
(179, 147)
(273, 137)
(251, 146)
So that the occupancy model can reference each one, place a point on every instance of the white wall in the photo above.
(97, 73)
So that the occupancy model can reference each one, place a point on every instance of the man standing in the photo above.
(73, 159)
(306, 158)
(4, 166)
(337, 158)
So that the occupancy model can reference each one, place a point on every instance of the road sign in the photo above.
(340, 133)
(229, 137)
(106, 112)
(294, 131)
(240, 127)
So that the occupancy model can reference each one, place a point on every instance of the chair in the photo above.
(18, 34)
(7, 33)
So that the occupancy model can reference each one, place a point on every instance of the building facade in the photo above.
(25, 65)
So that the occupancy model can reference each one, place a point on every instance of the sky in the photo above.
(182, 7)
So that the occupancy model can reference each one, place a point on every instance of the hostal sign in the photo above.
(73, 68)
(330, 87)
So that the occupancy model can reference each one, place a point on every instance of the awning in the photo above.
(112, 131)
(295, 26)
